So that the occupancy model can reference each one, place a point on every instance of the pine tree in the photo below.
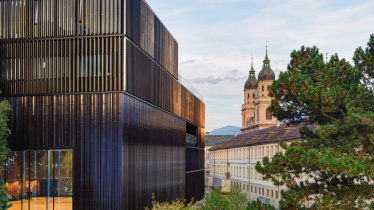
(332, 166)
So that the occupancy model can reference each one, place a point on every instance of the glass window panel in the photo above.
(37, 184)
(62, 179)
(40, 179)
(14, 179)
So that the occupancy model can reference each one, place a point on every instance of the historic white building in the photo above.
(233, 163)
(239, 156)
(255, 110)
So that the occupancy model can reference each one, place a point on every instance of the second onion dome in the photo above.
(251, 82)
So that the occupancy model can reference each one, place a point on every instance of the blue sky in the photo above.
(217, 38)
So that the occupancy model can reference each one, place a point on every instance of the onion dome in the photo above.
(266, 73)
(251, 82)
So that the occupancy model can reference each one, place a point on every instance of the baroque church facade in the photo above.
(255, 110)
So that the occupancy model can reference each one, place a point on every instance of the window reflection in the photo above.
(95, 65)
(40, 179)
(36, 179)
(14, 179)
(62, 181)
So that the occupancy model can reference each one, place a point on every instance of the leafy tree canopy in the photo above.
(332, 167)
(235, 199)
(215, 200)
(4, 133)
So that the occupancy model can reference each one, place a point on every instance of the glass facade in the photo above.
(39, 179)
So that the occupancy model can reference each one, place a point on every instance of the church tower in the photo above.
(250, 94)
(255, 110)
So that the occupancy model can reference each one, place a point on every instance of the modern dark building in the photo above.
(100, 119)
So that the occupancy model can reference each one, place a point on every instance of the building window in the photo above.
(268, 87)
(248, 95)
(253, 95)
(271, 152)
(48, 171)
(263, 88)
(269, 115)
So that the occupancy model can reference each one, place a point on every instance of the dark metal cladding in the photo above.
(148, 32)
(154, 155)
(100, 77)
(146, 79)
(90, 124)
(26, 19)
(63, 65)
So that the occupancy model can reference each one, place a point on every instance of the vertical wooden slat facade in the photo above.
(100, 77)
(91, 125)
(61, 65)
(154, 149)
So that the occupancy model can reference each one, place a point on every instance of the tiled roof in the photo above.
(271, 134)
(211, 140)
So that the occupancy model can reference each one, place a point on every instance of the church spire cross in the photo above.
(252, 64)
(266, 60)
(252, 70)
(266, 55)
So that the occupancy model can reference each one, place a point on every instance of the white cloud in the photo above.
(210, 50)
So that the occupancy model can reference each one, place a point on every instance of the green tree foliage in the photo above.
(4, 133)
(258, 205)
(215, 200)
(332, 167)
(178, 204)
(235, 200)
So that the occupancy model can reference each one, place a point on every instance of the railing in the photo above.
(188, 85)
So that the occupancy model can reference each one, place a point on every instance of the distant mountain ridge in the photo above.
(227, 130)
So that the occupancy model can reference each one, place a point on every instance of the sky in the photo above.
(217, 39)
